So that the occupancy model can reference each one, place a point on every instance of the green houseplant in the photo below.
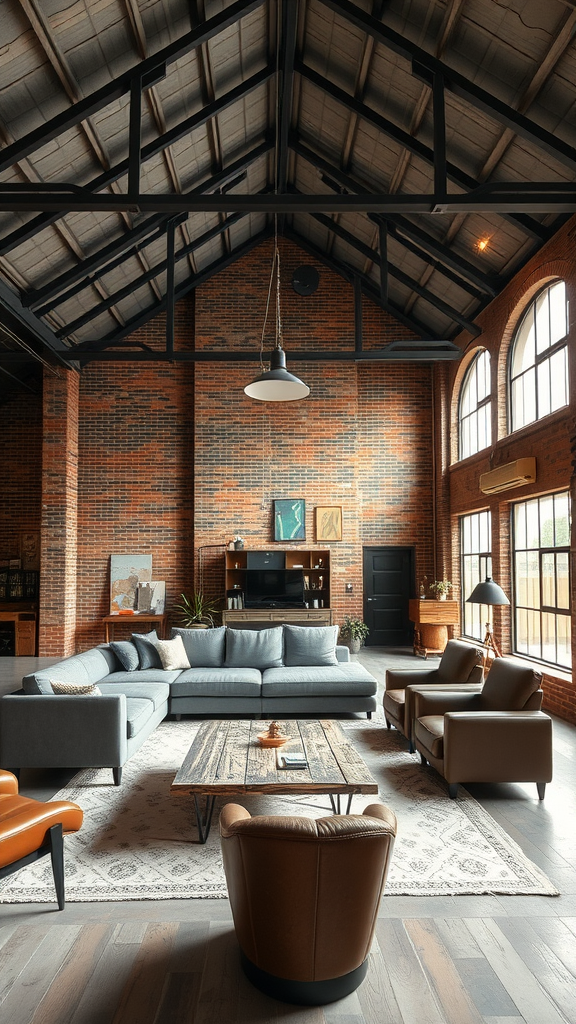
(196, 611)
(441, 588)
(353, 632)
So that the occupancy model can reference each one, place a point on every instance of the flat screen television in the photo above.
(274, 588)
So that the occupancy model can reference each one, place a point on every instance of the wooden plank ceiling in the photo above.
(399, 116)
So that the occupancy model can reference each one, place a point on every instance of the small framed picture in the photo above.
(328, 522)
(289, 519)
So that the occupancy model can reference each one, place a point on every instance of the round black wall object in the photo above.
(305, 280)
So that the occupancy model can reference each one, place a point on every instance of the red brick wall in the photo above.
(20, 490)
(548, 440)
(361, 440)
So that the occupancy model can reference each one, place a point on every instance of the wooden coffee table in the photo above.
(226, 759)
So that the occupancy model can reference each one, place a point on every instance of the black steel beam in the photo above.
(98, 264)
(27, 326)
(349, 273)
(289, 24)
(543, 197)
(396, 351)
(426, 66)
(130, 203)
(147, 70)
(79, 351)
(405, 279)
(407, 141)
(428, 243)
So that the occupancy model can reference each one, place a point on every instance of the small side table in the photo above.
(111, 621)
(431, 620)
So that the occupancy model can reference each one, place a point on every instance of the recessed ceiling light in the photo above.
(482, 244)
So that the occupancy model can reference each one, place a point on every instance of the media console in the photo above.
(266, 585)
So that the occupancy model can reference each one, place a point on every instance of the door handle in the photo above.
(370, 598)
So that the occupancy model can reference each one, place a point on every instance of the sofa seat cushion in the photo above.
(429, 733)
(138, 711)
(155, 692)
(318, 680)
(218, 682)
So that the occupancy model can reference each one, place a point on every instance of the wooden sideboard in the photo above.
(260, 618)
(431, 621)
(24, 631)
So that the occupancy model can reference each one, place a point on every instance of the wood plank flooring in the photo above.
(435, 960)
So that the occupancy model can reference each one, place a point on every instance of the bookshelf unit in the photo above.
(315, 565)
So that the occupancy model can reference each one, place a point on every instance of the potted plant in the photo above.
(196, 612)
(238, 542)
(353, 632)
(441, 589)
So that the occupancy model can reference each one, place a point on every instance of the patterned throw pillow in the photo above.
(126, 653)
(172, 653)
(76, 689)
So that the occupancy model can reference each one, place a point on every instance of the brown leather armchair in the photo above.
(30, 829)
(460, 664)
(497, 735)
(305, 896)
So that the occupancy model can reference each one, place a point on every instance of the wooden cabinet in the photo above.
(315, 566)
(431, 621)
(260, 618)
(24, 631)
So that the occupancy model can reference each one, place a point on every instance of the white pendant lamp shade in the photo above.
(277, 385)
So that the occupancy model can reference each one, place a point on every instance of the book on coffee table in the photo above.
(288, 760)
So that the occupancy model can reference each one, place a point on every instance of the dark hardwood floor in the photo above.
(435, 960)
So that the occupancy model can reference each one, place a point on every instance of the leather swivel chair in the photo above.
(305, 897)
(461, 664)
(30, 829)
(497, 735)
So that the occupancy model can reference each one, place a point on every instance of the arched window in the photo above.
(539, 359)
(475, 431)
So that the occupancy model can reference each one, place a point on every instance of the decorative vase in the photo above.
(238, 545)
(441, 597)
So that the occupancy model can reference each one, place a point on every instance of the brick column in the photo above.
(59, 514)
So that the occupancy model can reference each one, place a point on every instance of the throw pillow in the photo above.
(76, 689)
(172, 653)
(254, 648)
(146, 647)
(126, 653)
(204, 647)
(310, 645)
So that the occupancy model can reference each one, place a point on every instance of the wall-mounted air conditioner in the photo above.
(513, 474)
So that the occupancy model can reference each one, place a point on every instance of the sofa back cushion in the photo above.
(509, 685)
(310, 645)
(126, 653)
(254, 648)
(204, 647)
(88, 667)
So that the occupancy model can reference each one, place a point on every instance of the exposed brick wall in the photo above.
(20, 491)
(361, 440)
(57, 613)
(548, 440)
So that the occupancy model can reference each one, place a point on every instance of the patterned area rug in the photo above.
(139, 843)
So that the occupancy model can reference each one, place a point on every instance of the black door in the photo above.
(388, 586)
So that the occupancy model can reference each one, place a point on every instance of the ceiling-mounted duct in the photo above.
(513, 474)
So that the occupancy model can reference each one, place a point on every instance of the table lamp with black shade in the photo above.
(488, 592)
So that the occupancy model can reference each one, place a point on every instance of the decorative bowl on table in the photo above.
(272, 738)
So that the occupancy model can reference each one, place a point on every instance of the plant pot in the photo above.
(354, 645)
(238, 545)
(198, 625)
(441, 597)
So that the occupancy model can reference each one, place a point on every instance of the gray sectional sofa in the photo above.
(286, 670)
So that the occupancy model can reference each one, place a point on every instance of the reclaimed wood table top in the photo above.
(226, 759)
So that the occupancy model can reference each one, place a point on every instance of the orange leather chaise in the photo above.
(30, 829)
(304, 896)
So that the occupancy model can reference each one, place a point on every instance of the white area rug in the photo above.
(138, 842)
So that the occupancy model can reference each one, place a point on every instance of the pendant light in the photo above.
(276, 384)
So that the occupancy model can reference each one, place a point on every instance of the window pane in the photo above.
(543, 375)
(559, 379)
(534, 638)
(473, 417)
(542, 322)
(521, 561)
(546, 522)
(522, 631)
(520, 526)
(524, 352)
(532, 525)
(563, 640)
(558, 325)
(562, 580)
(548, 580)
(484, 388)
(549, 637)
(561, 520)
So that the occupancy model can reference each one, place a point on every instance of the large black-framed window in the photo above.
(539, 359)
(475, 566)
(474, 407)
(541, 552)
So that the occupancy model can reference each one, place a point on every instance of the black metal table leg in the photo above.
(335, 801)
(349, 804)
(204, 820)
